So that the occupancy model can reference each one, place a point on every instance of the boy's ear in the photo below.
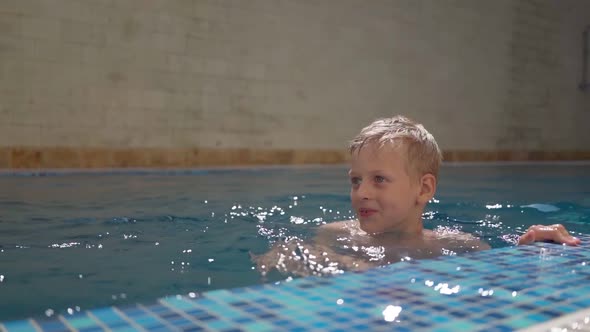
(427, 188)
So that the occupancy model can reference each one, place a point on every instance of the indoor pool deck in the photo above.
(536, 287)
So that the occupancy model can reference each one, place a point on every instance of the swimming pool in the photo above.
(76, 241)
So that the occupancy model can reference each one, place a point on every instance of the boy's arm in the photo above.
(310, 257)
(479, 245)
(458, 242)
(304, 259)
(464, 243)
(556, 233)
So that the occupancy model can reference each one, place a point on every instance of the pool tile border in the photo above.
(495, 290)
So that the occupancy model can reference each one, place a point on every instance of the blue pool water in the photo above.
(79, 241)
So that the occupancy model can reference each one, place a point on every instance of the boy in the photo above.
(393, 175)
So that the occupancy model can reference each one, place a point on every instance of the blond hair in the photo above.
(422, 152)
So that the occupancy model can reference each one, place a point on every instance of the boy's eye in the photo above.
(379, 179)
(355, 180)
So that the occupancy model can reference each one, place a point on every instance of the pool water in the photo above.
(78, 241)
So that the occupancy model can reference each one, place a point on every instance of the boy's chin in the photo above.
(369, 225)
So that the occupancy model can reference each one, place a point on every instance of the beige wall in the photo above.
(291, 74)
(543, 109)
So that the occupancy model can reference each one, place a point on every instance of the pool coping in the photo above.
(502, 289)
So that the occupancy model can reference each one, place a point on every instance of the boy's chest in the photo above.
(386, 252)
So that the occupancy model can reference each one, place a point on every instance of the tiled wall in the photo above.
(132, 77)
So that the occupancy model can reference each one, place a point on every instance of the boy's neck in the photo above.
(411, 228)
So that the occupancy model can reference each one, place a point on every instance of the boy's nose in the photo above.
(364, 191)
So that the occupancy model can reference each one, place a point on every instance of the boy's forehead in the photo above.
(378, 155)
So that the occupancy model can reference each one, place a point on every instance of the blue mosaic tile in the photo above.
(160, 329)
(109, 317)
(91, 329)
(53, 326)
(19, 326)
(126, 328)
(148, 323)
(495, 290)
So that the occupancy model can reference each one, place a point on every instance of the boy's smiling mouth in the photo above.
(364, 212)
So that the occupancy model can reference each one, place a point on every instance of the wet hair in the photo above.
(422, 153)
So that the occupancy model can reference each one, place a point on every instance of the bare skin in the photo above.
(554, 233)
(397, 246)
(343, 246)
(388, 199)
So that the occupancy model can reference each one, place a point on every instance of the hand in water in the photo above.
(556, 233)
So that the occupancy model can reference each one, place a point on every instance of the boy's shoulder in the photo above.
(456, 240)
(328, 232)
(338, 225)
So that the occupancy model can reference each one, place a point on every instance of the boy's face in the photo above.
(383, 195)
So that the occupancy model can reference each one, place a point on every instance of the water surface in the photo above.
(74, 242)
